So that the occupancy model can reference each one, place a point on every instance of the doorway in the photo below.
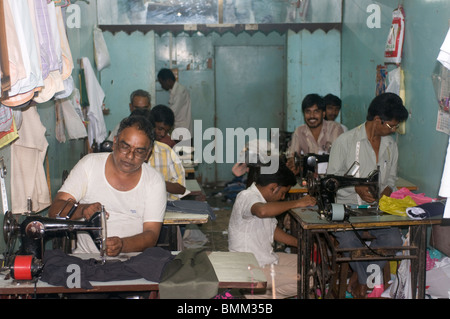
(249, 92)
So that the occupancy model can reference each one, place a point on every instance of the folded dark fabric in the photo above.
(426, 210)
(189, 276)
(190, 207)
(148, 265)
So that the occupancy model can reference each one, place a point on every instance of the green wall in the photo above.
(312, 65)
(422, 148)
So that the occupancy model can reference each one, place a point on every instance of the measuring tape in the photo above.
(3, 186)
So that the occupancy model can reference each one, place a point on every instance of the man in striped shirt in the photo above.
(167, 162)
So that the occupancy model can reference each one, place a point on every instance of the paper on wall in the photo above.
(394, 43)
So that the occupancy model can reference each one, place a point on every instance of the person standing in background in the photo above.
(179, 100)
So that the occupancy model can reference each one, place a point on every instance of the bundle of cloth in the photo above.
(403, 202)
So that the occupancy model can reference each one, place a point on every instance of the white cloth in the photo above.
(96, 127)
(30, 53)
(444, 54)
(16, 65)
(75, 99)
(248, 233)
(180, 103)
(63, 64)
(66, 54)
(69, 86)
(74, 126)
(444, 189)
(28, 177)
(127, 210)
(55, 33)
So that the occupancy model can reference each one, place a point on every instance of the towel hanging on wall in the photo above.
(95, 94)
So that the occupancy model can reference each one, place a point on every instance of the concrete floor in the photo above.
(216, 231)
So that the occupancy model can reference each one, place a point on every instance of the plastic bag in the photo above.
(101, 53)
(394, 44)
(401, 288)
(394, 81)
(395, 206)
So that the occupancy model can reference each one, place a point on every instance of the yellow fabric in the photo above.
(395, 206)
(166, 161)
(8, 137)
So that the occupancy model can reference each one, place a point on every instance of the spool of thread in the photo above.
(22, 267)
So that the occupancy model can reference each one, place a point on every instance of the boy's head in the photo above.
(333, 106)
(164, 119)
(278, 184)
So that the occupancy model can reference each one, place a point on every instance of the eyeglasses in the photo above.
(393, 128)
(140, 153)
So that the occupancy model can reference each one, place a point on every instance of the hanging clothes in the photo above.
(26, 35)
(28, 179)
(444, 191)
(444, 53)
(53, 83)
(4, 58)
(95, 94)
(49, 58)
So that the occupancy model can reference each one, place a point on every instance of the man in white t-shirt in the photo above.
(133, 195)
(253, 228)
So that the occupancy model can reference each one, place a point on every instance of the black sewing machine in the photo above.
(325, 187)
(35, 230)
(308, 162)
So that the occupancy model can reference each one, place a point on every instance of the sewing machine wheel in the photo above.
(312, 185)
(10, 227)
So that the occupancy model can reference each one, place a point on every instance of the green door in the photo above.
(250, 95)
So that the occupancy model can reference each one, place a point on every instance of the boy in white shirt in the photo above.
(253, 228)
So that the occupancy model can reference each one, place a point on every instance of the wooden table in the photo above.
(319, 258)
(401, 182)
(173, 220)
(232, 271)
(173, 239)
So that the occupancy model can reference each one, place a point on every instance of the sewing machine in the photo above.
(33, 232)
(309, 162)
(325, 187)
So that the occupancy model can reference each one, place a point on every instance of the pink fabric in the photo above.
(376, 292)
(419, 199)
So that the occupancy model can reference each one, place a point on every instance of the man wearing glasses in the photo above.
(371, 145)
(133, 195)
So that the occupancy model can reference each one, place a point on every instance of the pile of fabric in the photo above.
(416, 206)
